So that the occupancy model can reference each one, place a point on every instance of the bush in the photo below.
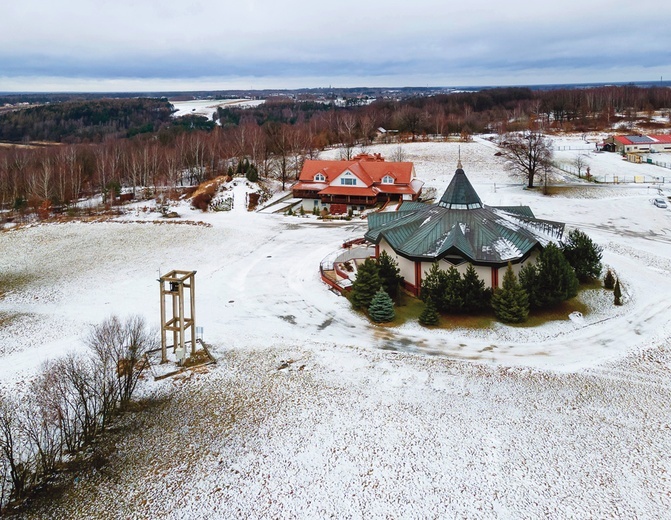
(617, 293)
(609, 280)
(252, 174)
(202, 201)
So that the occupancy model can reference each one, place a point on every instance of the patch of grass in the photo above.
(6, 318)
(466, 321)
(12, 282)
(558, 313)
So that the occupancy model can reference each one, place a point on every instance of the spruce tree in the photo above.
(365, 286)
(389, 275)
(454, 301)
(433, 287)
(510, 302)
(473, 291)
(381, 308)
(556, 279)
(617, 293)
(609, 280)
(429, 315)
(529, 282)
(583, 255)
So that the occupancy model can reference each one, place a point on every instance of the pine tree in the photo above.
(389, 275)
(583, 255)
(252, 174)
(510, 302)
(454, 301)
(609, 280)
(617, 293)
(554, 280)
(381, 308)
(429, 315)
(529, 282)
(365, 286)
(473, 291)
(433, 287)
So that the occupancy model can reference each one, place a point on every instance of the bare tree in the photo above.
(12, 448)
(119, 348)
(579, 163)
(527, 153)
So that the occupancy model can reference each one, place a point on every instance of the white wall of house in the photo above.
(533, 257)
(407, 267)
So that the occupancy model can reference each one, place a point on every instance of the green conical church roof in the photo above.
(460, 193)
(461, 225)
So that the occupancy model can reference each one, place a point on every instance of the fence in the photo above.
(615, 179)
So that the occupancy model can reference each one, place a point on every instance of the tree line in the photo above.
(131, 143)
(73, 401)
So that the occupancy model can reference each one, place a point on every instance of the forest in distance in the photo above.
(99, 145)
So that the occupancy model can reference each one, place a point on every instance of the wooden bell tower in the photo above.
(178, 294)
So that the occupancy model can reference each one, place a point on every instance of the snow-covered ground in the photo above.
(207, 107)
(566, 420)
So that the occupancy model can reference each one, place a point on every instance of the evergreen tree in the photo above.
(429, 315)
(433, 287)
(529, 282)
(381, 308)
(252, 174)
(510, 302)
(473, 292)
(365, 286)
(555, 280)
(389, 275)
(609, 280)
(617, 293)
(583, 255)
(454, 301)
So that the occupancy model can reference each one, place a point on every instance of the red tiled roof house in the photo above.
(640, 143)
(364, 181)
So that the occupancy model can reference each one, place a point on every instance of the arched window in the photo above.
(320, 178)
(387, 179)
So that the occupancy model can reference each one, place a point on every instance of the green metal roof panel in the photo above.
(523, 211)
(480, 234)
(460, 192)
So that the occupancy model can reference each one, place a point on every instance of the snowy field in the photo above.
(207, 107)
(567, 420)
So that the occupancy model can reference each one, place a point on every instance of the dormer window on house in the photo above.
(320, 178)
(348, 179)
(387, 179)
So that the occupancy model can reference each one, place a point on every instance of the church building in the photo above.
(457, 231)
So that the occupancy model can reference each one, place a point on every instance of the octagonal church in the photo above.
(457, 231)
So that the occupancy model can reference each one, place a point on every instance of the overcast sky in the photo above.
(105, 45)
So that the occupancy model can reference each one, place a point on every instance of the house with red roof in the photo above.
(357, 184)
(627, 144)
